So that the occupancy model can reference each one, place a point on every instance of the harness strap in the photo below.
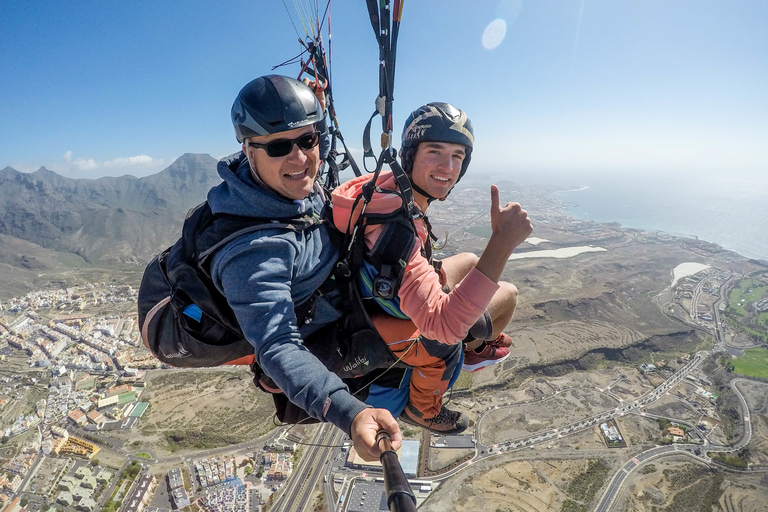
(367, 148)
(389, 256)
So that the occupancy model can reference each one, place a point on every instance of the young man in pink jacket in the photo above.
(439, 304)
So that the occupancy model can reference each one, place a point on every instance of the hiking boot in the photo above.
(446, 421)
(484, 355)
(504, 340)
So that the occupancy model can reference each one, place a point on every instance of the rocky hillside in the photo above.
(47, 219)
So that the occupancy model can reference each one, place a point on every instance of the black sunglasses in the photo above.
(282, 147)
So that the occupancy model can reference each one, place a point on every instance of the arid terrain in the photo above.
(583, 328)
(196, 409)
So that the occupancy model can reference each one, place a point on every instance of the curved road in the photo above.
(611, 492)
(618, 479)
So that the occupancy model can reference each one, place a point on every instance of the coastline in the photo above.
(736, 222)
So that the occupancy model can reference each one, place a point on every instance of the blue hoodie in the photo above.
(264, 274)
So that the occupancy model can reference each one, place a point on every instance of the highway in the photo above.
(719, 331)
(297, 491)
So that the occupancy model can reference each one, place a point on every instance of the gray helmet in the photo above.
(272, 104)
(436, 122)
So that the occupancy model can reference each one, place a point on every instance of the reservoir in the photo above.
(565, 252)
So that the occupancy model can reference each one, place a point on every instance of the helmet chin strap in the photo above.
(424, 193)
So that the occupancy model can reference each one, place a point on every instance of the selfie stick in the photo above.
(400, 497)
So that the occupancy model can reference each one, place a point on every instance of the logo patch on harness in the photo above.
(357, 362)
(182, 353)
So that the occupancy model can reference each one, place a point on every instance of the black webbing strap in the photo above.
(386, 29)
(348, 160)
(367, 147)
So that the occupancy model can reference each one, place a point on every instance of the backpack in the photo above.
(183, 319)
(186, 322)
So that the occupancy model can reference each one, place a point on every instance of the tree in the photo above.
(248, 470)
(4, 439)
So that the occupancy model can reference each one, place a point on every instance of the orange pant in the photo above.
(433, 362)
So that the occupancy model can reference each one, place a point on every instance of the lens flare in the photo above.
(494, 33)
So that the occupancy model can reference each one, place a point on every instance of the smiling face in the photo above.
(436, 169)
(292, 175)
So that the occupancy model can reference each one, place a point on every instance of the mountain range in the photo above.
(49, 222)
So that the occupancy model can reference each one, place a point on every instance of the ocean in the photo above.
(730, 211)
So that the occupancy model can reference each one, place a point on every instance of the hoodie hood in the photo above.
(240, 195)
(384, 200)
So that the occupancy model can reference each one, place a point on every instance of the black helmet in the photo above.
(273, 104)
(436, 122)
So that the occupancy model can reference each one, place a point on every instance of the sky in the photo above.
(94, 88)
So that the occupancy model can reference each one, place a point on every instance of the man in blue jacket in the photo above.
(263, 275)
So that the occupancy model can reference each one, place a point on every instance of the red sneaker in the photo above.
(504, 340)
(485, 355)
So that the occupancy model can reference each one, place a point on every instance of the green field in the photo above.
(749, 290)
(139, 409)
(754, 363)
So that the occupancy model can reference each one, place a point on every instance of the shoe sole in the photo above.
(407, 419)
(482, 364)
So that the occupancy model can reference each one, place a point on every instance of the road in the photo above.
(297, 491)
(692, 450)
(587, 422)
(618, 479)
(620, 476)
(719, 331)
(483, 451)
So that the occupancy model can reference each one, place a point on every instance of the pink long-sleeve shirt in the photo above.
(446, 317)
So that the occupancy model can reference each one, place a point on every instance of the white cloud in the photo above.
(80, 163)
(133, 161)
(80, 167)
(85, 164)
